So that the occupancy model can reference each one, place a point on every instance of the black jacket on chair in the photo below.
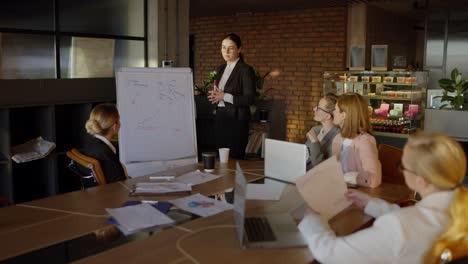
(110, 163)
(241, 86)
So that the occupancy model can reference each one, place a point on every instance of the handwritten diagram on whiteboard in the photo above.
(157, 114)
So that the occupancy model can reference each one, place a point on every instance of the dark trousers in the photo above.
(231, 133)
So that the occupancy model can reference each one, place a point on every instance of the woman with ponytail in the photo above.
(434, 166)
(103, 124)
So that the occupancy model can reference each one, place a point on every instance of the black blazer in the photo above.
(110, 163)
(241, 84)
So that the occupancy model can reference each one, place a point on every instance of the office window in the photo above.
(26, 56)
(113, 17)
(129, 53)
(94, 38)
(27, 14)
(98, 57)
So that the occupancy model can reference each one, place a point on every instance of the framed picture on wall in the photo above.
(379, 57)
(357, 58)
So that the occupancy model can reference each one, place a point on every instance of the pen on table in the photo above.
(167, 178)
(149, 201)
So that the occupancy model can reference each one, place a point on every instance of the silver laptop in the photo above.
(264, 231)
(285, 161)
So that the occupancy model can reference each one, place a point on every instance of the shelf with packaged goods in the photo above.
(380, 97)
(396, 100)
(390, 134)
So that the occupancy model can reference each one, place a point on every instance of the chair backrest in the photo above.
(390, 158)
(88, 162)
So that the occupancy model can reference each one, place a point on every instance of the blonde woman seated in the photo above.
(103, 124)
(434, 166)
(356, 146)
(320, 138)
(452, 245)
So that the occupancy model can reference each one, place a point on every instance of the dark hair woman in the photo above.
(234, 92)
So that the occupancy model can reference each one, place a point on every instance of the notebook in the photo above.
(285, 161)
(262, 231)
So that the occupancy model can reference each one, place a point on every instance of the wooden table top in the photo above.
(45, 222)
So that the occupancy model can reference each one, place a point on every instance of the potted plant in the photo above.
(202, 89)
(454, 88)
(261, 93)
(450, 121)
(204, 107)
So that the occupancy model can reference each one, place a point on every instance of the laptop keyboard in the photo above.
(258, 229)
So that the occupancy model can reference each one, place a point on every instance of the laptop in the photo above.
(285, 161)
(263, 231)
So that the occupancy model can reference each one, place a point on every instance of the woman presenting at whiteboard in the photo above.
(103, 124)
(234, 92)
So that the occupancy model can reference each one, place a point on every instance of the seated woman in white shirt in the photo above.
(320, 138)
(103, 124)
(434, 166)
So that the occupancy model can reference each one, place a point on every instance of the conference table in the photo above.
(43, 223)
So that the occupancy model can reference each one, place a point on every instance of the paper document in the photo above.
(201, 205)
(196, 177)
(137, 217)
(323, 188)
(160, 188)
(270, 190)
(32, 150)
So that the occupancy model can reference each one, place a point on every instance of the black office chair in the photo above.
(86, 168)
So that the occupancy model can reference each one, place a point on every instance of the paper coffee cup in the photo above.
(223, 155)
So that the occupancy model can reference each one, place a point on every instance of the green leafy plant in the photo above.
(261, 93)
(454, 88)
(206, 85)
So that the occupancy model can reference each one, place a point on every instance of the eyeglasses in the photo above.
(323, 110)
(402, 168)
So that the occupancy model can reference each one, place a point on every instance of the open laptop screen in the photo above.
(240, 191)
(285, 161)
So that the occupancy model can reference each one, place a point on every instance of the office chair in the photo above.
(390, 158)
(95, 176)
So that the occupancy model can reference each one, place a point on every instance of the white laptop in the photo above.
(285, 161)
(263, 231)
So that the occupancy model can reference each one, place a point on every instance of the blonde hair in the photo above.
(101, 119)
(442, 161)
(357, 117)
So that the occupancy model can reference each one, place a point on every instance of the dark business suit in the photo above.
(232, 121)
(110, 163)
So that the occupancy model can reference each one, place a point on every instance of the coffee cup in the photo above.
(223, 155)
(209, 161)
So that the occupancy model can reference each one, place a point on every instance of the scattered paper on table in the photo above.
(196, 177)
(137, 217)
(270, 190)
(201, 205)
(160, 188)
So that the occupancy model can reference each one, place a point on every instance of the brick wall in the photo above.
(300, 44)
